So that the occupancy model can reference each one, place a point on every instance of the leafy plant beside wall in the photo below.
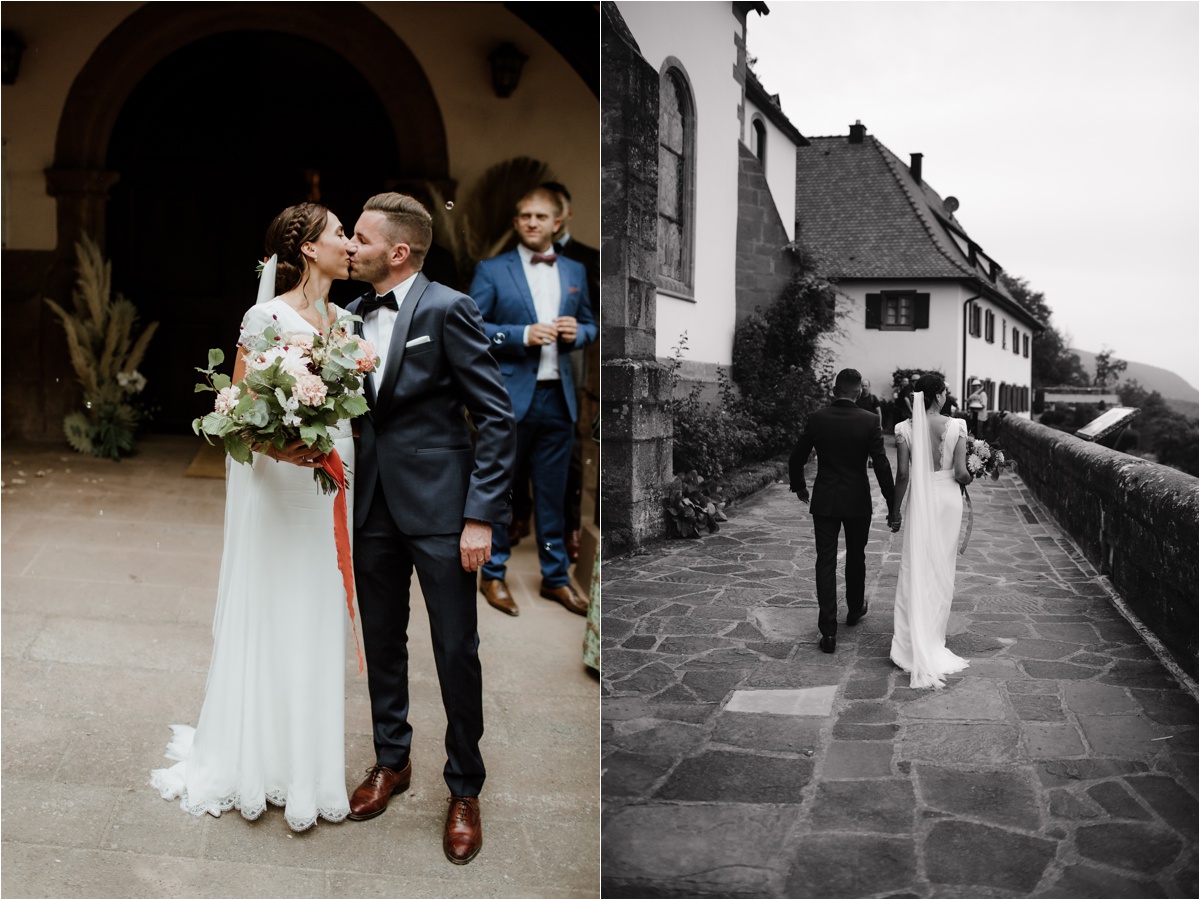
(105, 356)
(693, 506)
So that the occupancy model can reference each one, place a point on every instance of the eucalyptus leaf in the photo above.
(216, 356)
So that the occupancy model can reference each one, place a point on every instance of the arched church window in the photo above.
(676, 182)
(760, 140)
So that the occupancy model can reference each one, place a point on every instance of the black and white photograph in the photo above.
(299, 464)
(899, 342)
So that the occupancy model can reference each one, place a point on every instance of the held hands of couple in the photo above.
(564, 328)
(894, 522)
(475, 545)
(295, 452)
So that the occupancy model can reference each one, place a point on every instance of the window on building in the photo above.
(1004, 334)
(1025, 346)
(989, 334)
(676, 183)
(1016, 340)
(897, 311)
(759, 130)
(974, 324)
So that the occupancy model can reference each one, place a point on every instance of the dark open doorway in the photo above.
(215, 140)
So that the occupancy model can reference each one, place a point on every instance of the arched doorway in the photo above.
(214, 141)
(198, 120)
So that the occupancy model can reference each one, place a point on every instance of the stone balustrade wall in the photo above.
(1136, 521)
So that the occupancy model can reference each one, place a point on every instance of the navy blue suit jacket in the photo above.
(844, 436)
(502, 292)
(415, 438)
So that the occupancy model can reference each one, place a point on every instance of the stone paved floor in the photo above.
(739, 760)
(109, 576)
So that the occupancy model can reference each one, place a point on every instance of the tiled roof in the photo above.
(769, 104)
(861, 214)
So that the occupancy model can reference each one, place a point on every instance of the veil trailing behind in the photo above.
(931, 523)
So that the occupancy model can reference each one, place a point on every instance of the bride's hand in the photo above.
(297, 453)
(894, 523)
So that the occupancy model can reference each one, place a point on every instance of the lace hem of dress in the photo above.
(248, 810)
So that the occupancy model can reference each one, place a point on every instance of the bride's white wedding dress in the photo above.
(271, 728)
(931, 524)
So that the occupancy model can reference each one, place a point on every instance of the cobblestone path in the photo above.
(739, 760)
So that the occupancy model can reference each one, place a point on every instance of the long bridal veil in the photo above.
(926, 583)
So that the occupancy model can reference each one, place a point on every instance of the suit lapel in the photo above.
(395, 356)
(517, 270)
(564, 284)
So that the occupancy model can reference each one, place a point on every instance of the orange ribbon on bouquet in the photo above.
(970, 520)
(332, 464)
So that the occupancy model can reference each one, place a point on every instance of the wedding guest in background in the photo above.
(533, 355)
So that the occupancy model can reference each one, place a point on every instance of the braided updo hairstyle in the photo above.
(930, 385)
(292, 229)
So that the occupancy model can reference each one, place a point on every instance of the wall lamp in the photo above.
(507, 62)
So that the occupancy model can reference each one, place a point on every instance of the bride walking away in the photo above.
(931, 451)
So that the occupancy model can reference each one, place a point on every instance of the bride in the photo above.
(271, 727)
(931, 455)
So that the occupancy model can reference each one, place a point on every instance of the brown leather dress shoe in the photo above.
(464, 831)
(572, 542)
(371, 797)
(496, 592)
(567, 596)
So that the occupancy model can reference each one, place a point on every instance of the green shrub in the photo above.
(693, 506)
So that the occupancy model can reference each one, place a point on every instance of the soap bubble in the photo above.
(449, 204)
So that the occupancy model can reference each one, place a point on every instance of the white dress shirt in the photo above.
(546, 288)
(379, 324)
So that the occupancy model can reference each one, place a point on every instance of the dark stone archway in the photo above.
(79, 179)
(38, 384)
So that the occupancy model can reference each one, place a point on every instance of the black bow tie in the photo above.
(369, 304)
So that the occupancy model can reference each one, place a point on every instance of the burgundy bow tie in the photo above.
(547, 258)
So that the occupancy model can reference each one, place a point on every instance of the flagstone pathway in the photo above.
(740, 760)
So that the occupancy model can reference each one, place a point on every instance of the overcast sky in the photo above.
(1068, 131)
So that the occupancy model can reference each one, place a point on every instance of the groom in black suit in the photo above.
(842, 435)
(425, 498)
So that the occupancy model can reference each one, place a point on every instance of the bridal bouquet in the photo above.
(297, 385)
(984, 459)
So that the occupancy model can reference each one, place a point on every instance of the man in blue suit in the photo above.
(536, 310)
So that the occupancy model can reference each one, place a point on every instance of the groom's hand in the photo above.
(475, 546)
(894, 522)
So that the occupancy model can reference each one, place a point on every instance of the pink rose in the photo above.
(227, 399)
(310, 390)
(369, 358)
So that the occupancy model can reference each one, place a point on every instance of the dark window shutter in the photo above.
(874, 310)
(921, 310)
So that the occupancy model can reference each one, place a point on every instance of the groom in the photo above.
(425, 498)
(842, 435)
